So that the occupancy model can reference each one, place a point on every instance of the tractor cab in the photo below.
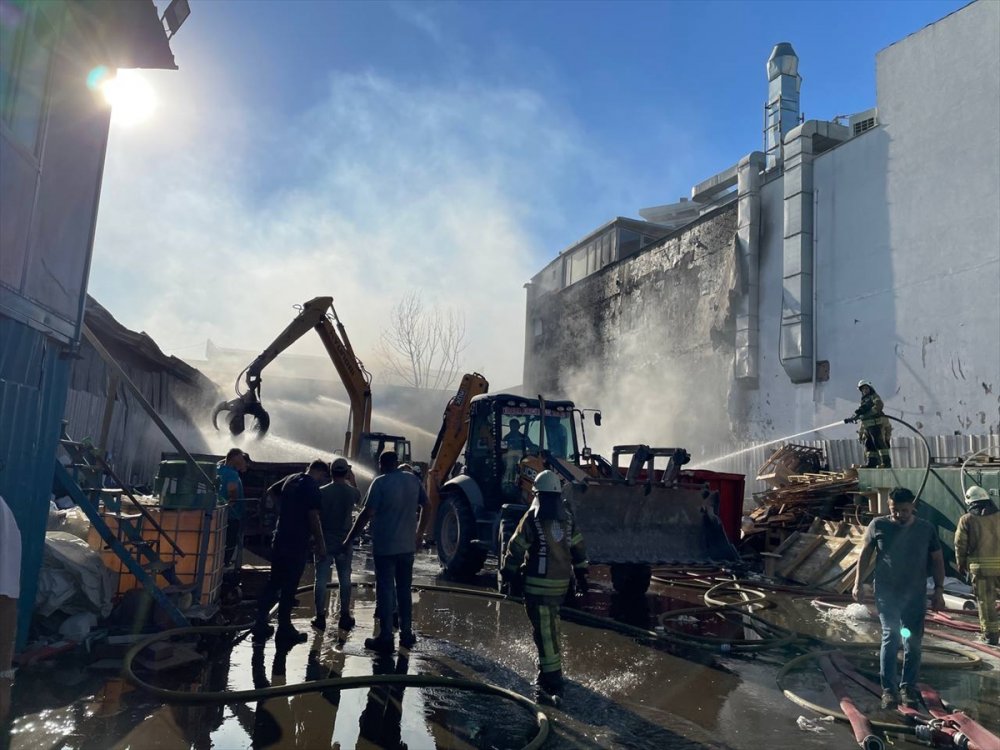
(505, 429)
(373, 444)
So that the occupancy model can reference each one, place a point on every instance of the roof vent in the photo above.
(863, 121)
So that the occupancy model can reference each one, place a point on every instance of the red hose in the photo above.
(863, 732)
(979, 736)
(991, 650)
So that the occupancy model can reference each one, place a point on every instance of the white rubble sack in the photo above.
(73, 579)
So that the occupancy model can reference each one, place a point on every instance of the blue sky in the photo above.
(367, 149)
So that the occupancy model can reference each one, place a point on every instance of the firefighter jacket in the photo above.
(550, 551)
(870, 414)
(977, 543)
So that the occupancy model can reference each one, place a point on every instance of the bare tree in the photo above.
(422, 344)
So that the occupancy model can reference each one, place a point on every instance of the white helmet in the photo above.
(976, 494)
(547, 481)
(863, 382)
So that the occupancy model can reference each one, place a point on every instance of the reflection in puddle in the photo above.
(621, 693)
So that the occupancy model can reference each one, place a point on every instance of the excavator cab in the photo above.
(373, 444)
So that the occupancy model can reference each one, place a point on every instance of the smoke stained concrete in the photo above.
(650, 340)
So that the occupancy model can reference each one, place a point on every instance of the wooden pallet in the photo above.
(818, 559)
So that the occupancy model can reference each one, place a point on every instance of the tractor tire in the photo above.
(631, 579)
(454, 532)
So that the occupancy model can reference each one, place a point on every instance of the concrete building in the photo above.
(865, 249)
(53, 136)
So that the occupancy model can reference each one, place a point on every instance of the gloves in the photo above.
(582, 587)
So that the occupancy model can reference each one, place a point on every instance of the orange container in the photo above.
(184, 526)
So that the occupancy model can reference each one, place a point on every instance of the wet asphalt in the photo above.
(621, 693)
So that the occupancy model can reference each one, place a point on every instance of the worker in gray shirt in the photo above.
(338, 499)
(394, 502)
(904, 547)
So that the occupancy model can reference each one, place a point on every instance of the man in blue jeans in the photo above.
(904, 546)
(394, 502)
(337, 502)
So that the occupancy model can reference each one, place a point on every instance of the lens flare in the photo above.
(905, 632)
(131, 97)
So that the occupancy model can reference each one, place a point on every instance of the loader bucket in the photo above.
(650, 524)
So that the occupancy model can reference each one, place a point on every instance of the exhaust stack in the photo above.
(781, 113)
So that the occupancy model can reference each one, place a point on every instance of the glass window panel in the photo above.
(628, 242)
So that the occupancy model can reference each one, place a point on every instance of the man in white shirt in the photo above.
(10, 590)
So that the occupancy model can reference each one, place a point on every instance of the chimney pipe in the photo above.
(781, 113)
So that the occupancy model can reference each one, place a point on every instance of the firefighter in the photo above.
(875, 429)
(977, 554)
(549, 549)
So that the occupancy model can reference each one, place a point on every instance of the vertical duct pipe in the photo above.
(795, 345)
(781, 113)
(749, 179)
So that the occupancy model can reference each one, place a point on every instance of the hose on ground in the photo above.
(339, 683)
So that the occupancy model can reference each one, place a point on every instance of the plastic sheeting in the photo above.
(73, 579)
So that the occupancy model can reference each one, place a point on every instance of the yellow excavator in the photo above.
(317, 314)
(633, 513)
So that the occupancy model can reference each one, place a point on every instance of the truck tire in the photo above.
(631, 579)
(454, 532)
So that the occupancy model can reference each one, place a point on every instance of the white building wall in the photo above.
(907, 247)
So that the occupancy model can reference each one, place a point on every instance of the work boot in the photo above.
(261, 631)
(346, 622)
(380, 645)
(889, 700)
(319, 623)
(911, 698)
(289, 635)
(991, 639)
(408, 640)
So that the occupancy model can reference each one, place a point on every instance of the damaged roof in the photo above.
(138, 349)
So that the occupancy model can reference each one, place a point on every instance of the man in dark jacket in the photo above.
(548, 546)
(298, 519)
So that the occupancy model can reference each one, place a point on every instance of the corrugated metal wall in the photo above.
(842, 454)
(134, 441)
(33, 380)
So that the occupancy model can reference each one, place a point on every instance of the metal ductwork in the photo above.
(749, 180)
(796, 343)
(781, 113)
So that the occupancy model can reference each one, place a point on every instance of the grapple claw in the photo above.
(238, 409)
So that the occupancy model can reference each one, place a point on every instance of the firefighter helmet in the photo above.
(862, 383)
(547, 481)
(976, 494)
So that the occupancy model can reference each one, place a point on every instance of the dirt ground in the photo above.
(621, 693)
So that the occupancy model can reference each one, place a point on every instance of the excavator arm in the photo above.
(357, 381)
(451, 439)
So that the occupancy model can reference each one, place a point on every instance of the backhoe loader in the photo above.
(633, 514)
(359, 442)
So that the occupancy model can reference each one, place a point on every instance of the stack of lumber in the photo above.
(803, 498)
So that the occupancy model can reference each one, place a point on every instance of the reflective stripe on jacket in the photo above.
(550, 550)
(977, 543)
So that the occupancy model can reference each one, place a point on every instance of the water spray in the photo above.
(755, 446)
